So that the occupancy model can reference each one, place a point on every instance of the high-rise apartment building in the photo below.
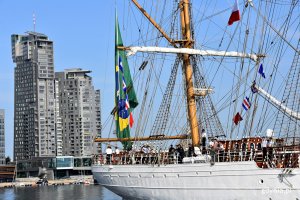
(2, 137)
(59, 139)
(79, 106)
(34, 114)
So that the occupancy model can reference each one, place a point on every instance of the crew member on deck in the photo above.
(264, 147)
(191, 151)
(213, 144)
(171, 154)
(117, 156)
(171, 149)
(117, 151)
(203, 141)
(269, 148)
(108, 154)
(180, 153)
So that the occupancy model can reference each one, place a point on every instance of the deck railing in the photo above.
(265, 158)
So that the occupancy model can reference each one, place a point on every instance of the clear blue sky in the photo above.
(83, 34)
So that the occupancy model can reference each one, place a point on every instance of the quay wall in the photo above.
(31, 182)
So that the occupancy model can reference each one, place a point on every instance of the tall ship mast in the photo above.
(251, 157)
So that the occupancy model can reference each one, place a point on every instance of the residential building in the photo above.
(2, 137)
(34, 110)
(79, 111)
(59, 136)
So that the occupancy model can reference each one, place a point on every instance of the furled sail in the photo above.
(277, 103)
(125, 97)
(134, 50)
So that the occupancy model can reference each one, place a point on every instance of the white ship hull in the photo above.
(227, 180)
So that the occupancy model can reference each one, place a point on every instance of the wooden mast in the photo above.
(187, 43)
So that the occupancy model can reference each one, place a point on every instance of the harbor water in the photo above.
(65, 192)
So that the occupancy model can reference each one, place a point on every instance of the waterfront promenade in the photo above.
(31, 182)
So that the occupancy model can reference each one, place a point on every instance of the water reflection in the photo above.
(68, 192)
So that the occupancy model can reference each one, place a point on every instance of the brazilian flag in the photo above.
(125, 97)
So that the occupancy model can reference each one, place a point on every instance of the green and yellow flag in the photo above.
(125, 97)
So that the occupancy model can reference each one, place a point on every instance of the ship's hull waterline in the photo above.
(227, 180)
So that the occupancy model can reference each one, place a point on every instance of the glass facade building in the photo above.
(61, 166)
(64, 162)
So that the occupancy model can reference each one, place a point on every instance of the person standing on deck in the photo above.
(213, 144)
(203, 141)
(171, 154)
(181, 153)
(191, 151)
(171, 149)
(270, 144)
(108, 154)
(117, 151)
(146, 150)
(264, 147)
(117, 156)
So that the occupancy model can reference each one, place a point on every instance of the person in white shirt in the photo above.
(145, 149)
(108, 154)
(117, 151)
(264, 143)
(264, 147)
(117, 156)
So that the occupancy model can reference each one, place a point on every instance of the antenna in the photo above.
(34, 20)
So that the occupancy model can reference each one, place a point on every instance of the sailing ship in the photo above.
(256, 154)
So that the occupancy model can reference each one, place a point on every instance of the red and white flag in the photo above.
(235, 14)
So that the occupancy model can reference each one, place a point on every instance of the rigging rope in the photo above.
(162, 116)
(276, 31)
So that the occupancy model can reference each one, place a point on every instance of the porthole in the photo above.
(261, 181)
